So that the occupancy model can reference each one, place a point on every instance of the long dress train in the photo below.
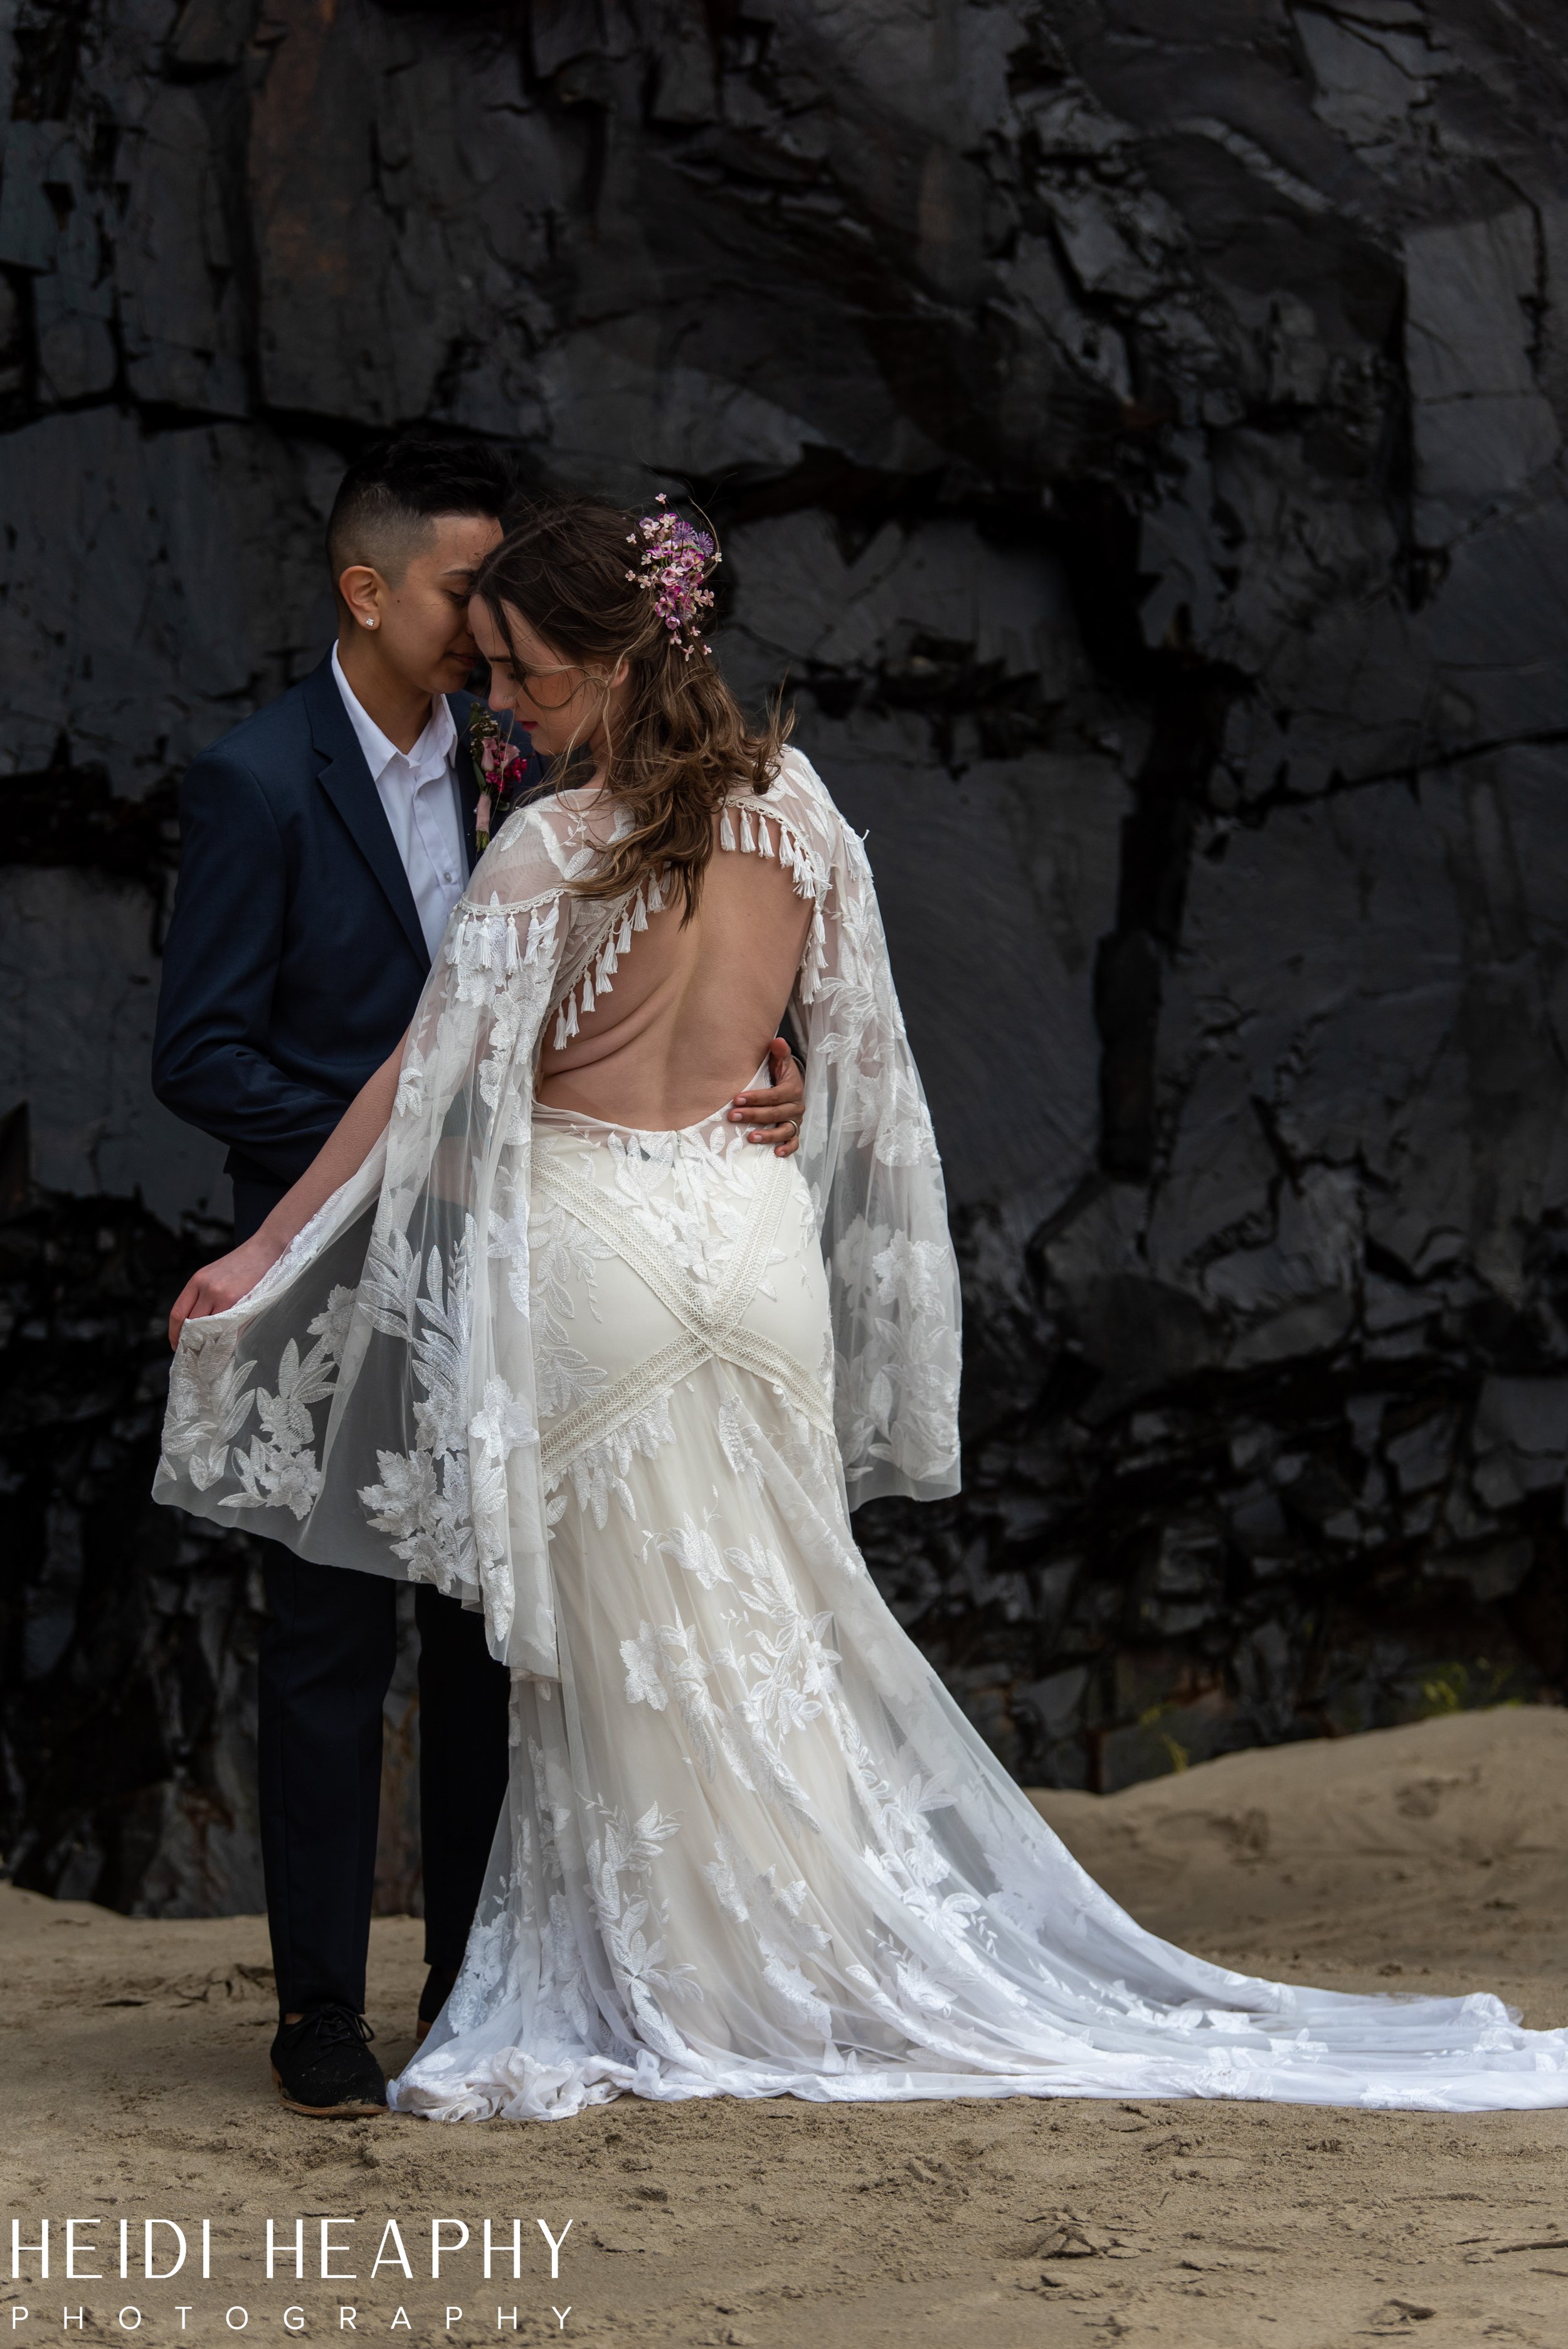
(620, 1389)
(752, 1846)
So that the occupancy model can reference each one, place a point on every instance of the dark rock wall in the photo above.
(1136, 430)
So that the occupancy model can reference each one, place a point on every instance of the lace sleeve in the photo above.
(868, 1153)
(371, 1402)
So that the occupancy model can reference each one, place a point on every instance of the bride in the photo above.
(538, 1329)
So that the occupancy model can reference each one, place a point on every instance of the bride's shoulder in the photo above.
(802, 800)
(794, 773)
(538, 849)
(797, 793)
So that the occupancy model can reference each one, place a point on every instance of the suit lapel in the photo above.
(345, 779)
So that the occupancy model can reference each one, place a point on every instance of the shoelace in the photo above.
(338, 2022)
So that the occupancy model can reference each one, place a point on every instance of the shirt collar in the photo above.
(431, 754)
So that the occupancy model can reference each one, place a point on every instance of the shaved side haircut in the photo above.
(390, 496)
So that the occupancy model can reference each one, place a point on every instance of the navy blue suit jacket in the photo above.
(295, 958)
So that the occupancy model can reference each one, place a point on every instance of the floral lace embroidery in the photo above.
(694, 1548)
(694, 1200)
(278, 1469)
(776, 1665)
(556, 1251)
(663, 1661)
(444, 1501)
(208, 1404)
(750, 1896)
(599, 1474)
(620, 1860)
(894, 1401)
(789, 1653)
(423, 1499)
(739, 1437)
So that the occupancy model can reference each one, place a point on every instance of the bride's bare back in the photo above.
(693, 1010)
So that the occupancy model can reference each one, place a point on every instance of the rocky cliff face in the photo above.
(1136, 430)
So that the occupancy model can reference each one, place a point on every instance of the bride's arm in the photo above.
(221, 1284)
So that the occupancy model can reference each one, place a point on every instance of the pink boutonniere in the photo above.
(498, 762)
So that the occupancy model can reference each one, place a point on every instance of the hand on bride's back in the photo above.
(222, 1283)
(774, 1113)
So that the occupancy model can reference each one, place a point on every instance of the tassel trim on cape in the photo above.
(753, 838)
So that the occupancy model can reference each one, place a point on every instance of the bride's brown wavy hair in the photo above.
(681, 741)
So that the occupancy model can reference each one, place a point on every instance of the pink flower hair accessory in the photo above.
(675, 562)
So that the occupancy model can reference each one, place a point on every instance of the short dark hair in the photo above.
(393, 491)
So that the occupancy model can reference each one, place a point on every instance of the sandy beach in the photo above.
(1432, 1857)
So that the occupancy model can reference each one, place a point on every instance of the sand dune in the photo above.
(1409, 1851)
(132, 2063)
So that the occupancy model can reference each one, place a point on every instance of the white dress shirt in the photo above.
(420, 792)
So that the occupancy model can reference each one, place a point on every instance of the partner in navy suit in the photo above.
(292, 965)
(295, 957)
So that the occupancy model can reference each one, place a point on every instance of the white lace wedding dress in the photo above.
(620, 1388)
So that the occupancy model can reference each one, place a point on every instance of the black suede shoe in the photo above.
(323, 2066)
(438, 1987)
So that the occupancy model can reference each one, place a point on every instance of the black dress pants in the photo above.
(326, 1661)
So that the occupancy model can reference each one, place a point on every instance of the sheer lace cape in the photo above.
(372, 1403)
